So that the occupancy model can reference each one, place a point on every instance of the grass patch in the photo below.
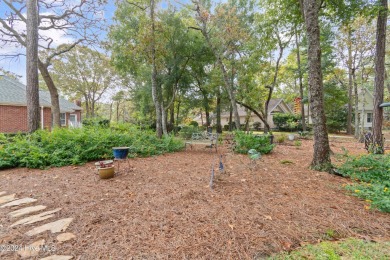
(65, 146)
(372, 179)
(348, 249)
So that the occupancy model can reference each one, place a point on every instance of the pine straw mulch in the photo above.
(164, 208)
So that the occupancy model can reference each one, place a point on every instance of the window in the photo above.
(369, 117)
(63, 119)
(73, 120)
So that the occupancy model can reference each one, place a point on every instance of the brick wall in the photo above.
(13, 119)
(47, 118)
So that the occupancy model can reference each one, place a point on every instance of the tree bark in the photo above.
(379, 78)
(218, 112)
(54, 97)
(155, 91)
(321, 157)
(32, 90)
(300, 81)
(356, 105)
(350, 84)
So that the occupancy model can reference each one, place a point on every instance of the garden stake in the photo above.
(221, 168)
(212, 178)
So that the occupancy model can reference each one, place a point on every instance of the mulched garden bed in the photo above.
(164, 207)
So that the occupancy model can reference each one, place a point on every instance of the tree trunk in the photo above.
(321, 157)
(111, 104)
(379, 78)
(155, 87)
(54, 97)
(231, 94)
(172, 115)
(300, 81)
(164, 119)
(231, 118)
(177, 111)
(117, 111)
(247, 118)
(32, 90)
(350, 84)
(356, 105)
(218, 112)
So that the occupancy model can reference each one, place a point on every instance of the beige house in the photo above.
(365, 108)
(274, 106)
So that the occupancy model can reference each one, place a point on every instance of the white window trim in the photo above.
(64, 120)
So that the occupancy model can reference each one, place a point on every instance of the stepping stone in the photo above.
(36, 218)
(7, 198)
(2, 193)
(58, 257)
(54, 227)
(65, 237)
(32, 249)
(19, 202)
(25, 211)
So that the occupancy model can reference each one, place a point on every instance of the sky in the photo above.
(18, 65)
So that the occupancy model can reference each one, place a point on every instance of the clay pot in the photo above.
(106, 173)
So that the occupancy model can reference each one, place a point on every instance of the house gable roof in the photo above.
(13, 92)
(272, 105)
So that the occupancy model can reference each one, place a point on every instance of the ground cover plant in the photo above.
(347, 249)
(76, 146)
(373, 179)
(245, 142)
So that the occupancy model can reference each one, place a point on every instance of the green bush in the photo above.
(97, 122)
(245, 142)
(76, 146)
(187, 131)
(194, 123)
(372, 172)
(287, 122)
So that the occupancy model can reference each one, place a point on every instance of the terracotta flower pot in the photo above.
(106, 173)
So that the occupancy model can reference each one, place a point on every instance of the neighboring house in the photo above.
(274, 106)
(13, 108)
(365, 108)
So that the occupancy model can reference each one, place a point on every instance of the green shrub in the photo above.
(287, 122)
(194, 123)
(245, 142)
(281, 138)
(76, 146)
(372, 172)
(100, 122)
(187, 131)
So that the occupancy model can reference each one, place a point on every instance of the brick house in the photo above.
(13, 108)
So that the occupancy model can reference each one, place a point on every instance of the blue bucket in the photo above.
(120, 152)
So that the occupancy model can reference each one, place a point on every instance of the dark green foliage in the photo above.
(372, 172)
(187, 131)
(76, 146)
(194, 123)
(287, 122)
(99, 122)
(245, 142)
(336, 119)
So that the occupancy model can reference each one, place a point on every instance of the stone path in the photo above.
(31, 251)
